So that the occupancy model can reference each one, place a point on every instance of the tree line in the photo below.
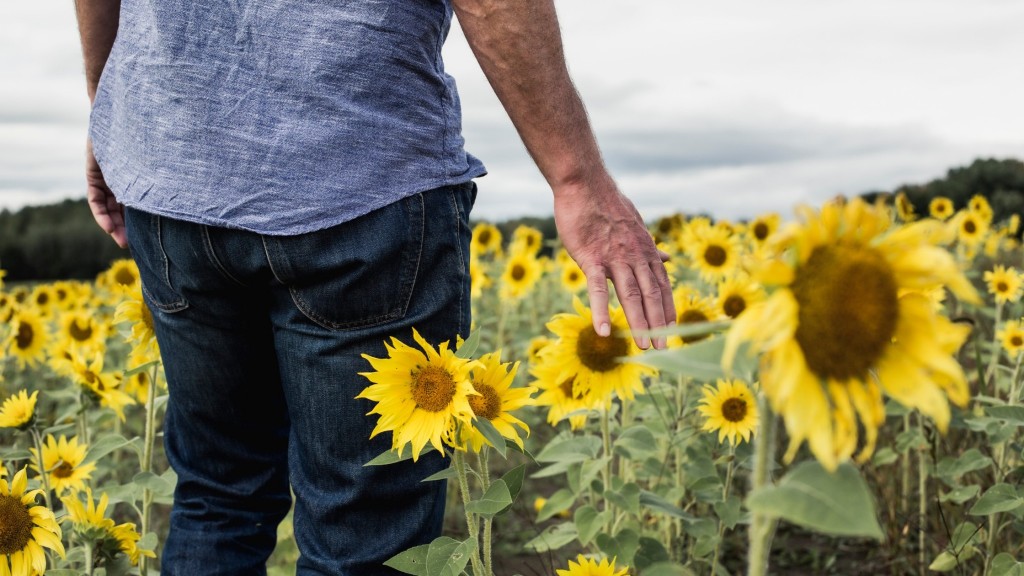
(61, 241)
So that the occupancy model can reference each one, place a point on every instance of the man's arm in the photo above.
(518, 45)
(97, 26)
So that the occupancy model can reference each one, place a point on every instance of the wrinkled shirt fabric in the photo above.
(278, 116)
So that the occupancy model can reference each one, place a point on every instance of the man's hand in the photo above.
(603, 232)
(106, 210)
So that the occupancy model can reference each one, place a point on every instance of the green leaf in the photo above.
(393, 456)
(570, 449)
(446, 474)
(627, 497)
(496, 440)
(589, 522)
(969, 461)
(961, 494)
(558, 502)
(1012, 414)
(581, 474)
(412, 561)
(838, 503)
(553, 538)
(911, 439)
(495, 500)
(622, 547)
(701, 360)
(158, 485)
(999, 498)
(944, 562)
(729, 511)
(650, 552)
(636, 442)
(884, 457)
(688, 329)
(469, 346)
(105, 445)
(447, 556)
(514, 480)
(140, 368)
(667, 569)
(659, 504)
(1005, 565)
(964, 534)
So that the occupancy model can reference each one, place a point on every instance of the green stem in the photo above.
(485, 475)
(993, 361)
(761, 525)
(905, 479)
(922, 504)
(725, 497)
(148, 446)
(44, 474)
(89, 559)
(471, 525)
(993, 520)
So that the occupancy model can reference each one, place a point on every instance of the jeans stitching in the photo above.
(211, 254)
(181, 303)
(458, 245)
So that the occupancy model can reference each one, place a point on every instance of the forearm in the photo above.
(519, 48)
(97, 26)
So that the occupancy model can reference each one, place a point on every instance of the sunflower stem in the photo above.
(725, 497)
(147, 459)
(922, 503)
(89, 561)
(993, 361)
(993, 520)
(485, 475)
(905, 475)
(471, 525)
(761, 526)
(44, 474)
(606, 440)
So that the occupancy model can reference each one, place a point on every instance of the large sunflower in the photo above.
(420, 395)
(1004, 283)
(729, 408)
(836, 332)
(25, 529)
(19, 410)
(599, 363)
(63, 461)
(559, 393)
(27, 338)
(584, 566)
(495, 400)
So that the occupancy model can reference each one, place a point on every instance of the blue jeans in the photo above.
(262, 338)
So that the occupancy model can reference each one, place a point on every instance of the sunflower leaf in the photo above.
(446, 474)
(999, 498)
(1006, 565)
(1012, 414)
(105, 445)
(560, 501)
(588, 522)
(837, 503)
(447, 557)
(469, 346)
(514, 480)
(659, 504)
(553, 538)
(412, 561)
(392, 456)
(497, 499)
(571, 449)
(494, 438)
(140, 368)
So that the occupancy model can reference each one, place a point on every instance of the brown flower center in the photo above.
(848, 305)
(487, 404)
(600, 353)
(79, 332)
(734, 305)
(693, 316)
(761, 231)
(518, 272)
(15, 525)
(42, 298)
(715, 255)
(734, 409)
(124, 276)
(484, 239)
(63, 470)
(1016, 341)
(1001, 287)
(433, 389)
(25, 336)
(567, 388)
(970, 227)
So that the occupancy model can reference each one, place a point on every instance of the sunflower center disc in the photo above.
(734, 410)
(1016, 340)
(760, 231)
(433, 389)
(63, 470)
(15, 525)
(969, 227)
(1001, 287)
(600, 353)
(715, 255)
(124, 277)
(79, 333)
(487, 404)
(848, 307)
(25, 336)
(567, 388)
(518, 272)
(734, 305)
(484, 238)
(693, 316)
(42, 299)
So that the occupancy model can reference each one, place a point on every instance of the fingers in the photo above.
(645, 294)
(597, 290)
(108, 213)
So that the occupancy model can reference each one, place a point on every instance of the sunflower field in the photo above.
(840, 394)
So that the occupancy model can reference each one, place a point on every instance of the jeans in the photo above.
(262, 338)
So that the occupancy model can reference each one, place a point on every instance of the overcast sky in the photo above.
(734, 108)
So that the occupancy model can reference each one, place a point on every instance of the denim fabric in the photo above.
(278, 116)
(261, 338)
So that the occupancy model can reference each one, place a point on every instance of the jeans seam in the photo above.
(212, 255)
(458, 245)
(180, 304)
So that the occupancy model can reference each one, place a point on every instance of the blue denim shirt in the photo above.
(278, 116)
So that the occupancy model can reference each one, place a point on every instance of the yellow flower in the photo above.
(420, 395)
(533, 350)
(19, 410)
(1004, 283)
(835, 332)
(560, 394)
(28, 337)
(584, 566)
(738, 293)
(599, 363)
(1012, 337)
(522, 271)
(970, 227)
(730, 409)
(81, 330)
(692, 308)
(478, 279)
(495, 400)
(127, 539)
(26, 529)
(123, 276)
(526, 239)
(102, 386)
(715, 252)
(486, 239)
(980, 206)
(134, 311)
(43, 300)
(62, 460)
(573, 279)
(940, 208)
(763, 227)
(904, 207)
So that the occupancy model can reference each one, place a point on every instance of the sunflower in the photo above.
(19, 410)
(738, 293)
(420, 395)
(729, 408)
(99, 385)
(526, 239)
(692, 308)
(1004, 283)
(1012, 337)
(63, 461)
(122, 276)
(971, 229)
(7, 306)
(495, 400)
(940, 208)
(108, 541)
(979, 205)
(27, 338)
(534, 348)
(559, 392)
(127, 538)
(478, 279)
(26, 529)
(584, 566)
(134, 311)
(522, 271)
(3, 274)
(762, 227)
(43, 300)
(573, 279)
(715, 252)
(82, 330)
(835, 333)
(904, 207)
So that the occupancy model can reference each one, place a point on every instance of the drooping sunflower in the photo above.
(486, 239)
(738, 293)
(82, 331)
(27, 338)
(714, 251)
(599, 364)
(526, 239)
(730, 409)
(1004, 283)
(904, 207)
(495, 400)
(127, 538)
(420, 395)
(134, 311)
(100, 386)
(123, 276)
(63, 462)
(835, 332)
(1011, 335)
(27, 529)
(584, 566)
(573, 279)
(940, 208)
(90, 523)
(19, 410)
(522, 271)
(980, 206)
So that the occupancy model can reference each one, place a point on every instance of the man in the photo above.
(296, 192)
